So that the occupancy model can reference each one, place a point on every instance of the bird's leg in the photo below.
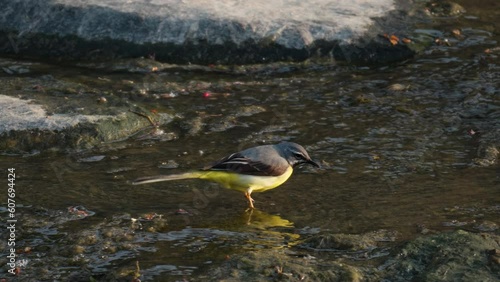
(250, 200)
(249, 212)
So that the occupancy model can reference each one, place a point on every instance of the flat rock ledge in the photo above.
(206, 31)
(26, 127)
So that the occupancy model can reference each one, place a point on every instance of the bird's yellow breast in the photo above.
(243, 182)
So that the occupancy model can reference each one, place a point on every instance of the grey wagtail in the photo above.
(255, 169)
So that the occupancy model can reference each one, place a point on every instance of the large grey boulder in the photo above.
(203, 31)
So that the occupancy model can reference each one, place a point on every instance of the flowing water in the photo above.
(397, 145)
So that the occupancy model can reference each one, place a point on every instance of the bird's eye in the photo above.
(299, 155)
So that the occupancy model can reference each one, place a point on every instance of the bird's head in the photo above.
(295, 154)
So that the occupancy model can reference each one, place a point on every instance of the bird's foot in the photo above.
(250, 200)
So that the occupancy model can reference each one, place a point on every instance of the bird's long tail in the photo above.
(159, 178)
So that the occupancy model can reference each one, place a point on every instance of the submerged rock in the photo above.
(277, 265)
(453, 256)
(349, 242)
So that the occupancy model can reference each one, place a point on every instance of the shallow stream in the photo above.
(399, 147)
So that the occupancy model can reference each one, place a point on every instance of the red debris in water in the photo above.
(150, 216)
(79, 211)
(472, 132)
(181, 211)
(207, 94)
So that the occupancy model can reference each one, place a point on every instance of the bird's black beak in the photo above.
(313, 163)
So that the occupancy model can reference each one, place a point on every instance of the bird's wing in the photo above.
(238, 163)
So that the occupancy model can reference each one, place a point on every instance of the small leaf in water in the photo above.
(151, 216)
(457, 33)
(392, 38)
(80, 211)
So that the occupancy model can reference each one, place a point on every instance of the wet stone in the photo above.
(446, 257)
(204, 32)
(489, 148)
(444, 8)
(349, 242)
(486, 226)
(278, 265)
(35, 129)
